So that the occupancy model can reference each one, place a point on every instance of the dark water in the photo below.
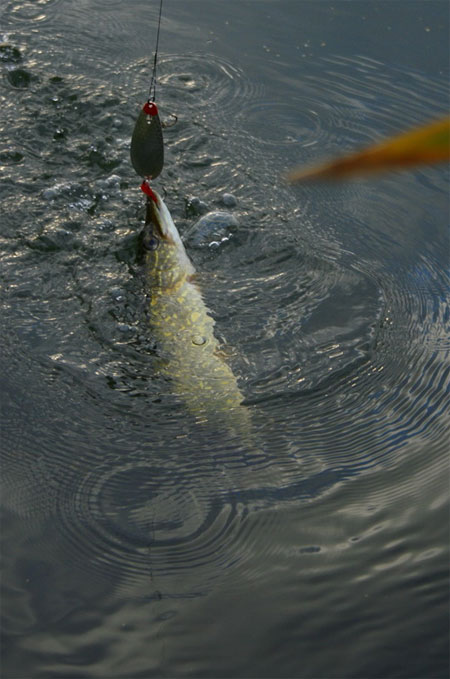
(137, 543)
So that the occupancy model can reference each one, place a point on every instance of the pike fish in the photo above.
(184, 329)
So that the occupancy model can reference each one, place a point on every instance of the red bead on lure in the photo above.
(150, 108)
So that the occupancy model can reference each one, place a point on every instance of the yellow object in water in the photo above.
(423, 145)
(184, 329)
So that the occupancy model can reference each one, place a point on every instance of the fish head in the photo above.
(166, 259)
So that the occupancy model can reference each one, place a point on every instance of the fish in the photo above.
(183, 328)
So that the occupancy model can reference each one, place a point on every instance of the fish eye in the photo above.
(150, 242)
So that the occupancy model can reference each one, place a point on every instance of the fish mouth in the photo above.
(154, 219)
(159, 221)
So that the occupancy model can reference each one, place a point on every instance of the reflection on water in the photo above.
(120, 510)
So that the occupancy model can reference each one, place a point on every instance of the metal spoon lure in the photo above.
(147, 146)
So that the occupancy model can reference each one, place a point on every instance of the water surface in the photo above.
(136, 542)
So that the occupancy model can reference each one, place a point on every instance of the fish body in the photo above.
(184, 328)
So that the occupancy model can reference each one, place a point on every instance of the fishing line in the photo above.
(152, 88)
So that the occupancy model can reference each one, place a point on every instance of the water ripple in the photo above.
(42, 12)
(340, 103)
(145, 521)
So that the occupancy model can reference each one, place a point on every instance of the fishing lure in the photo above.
(147, 147)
